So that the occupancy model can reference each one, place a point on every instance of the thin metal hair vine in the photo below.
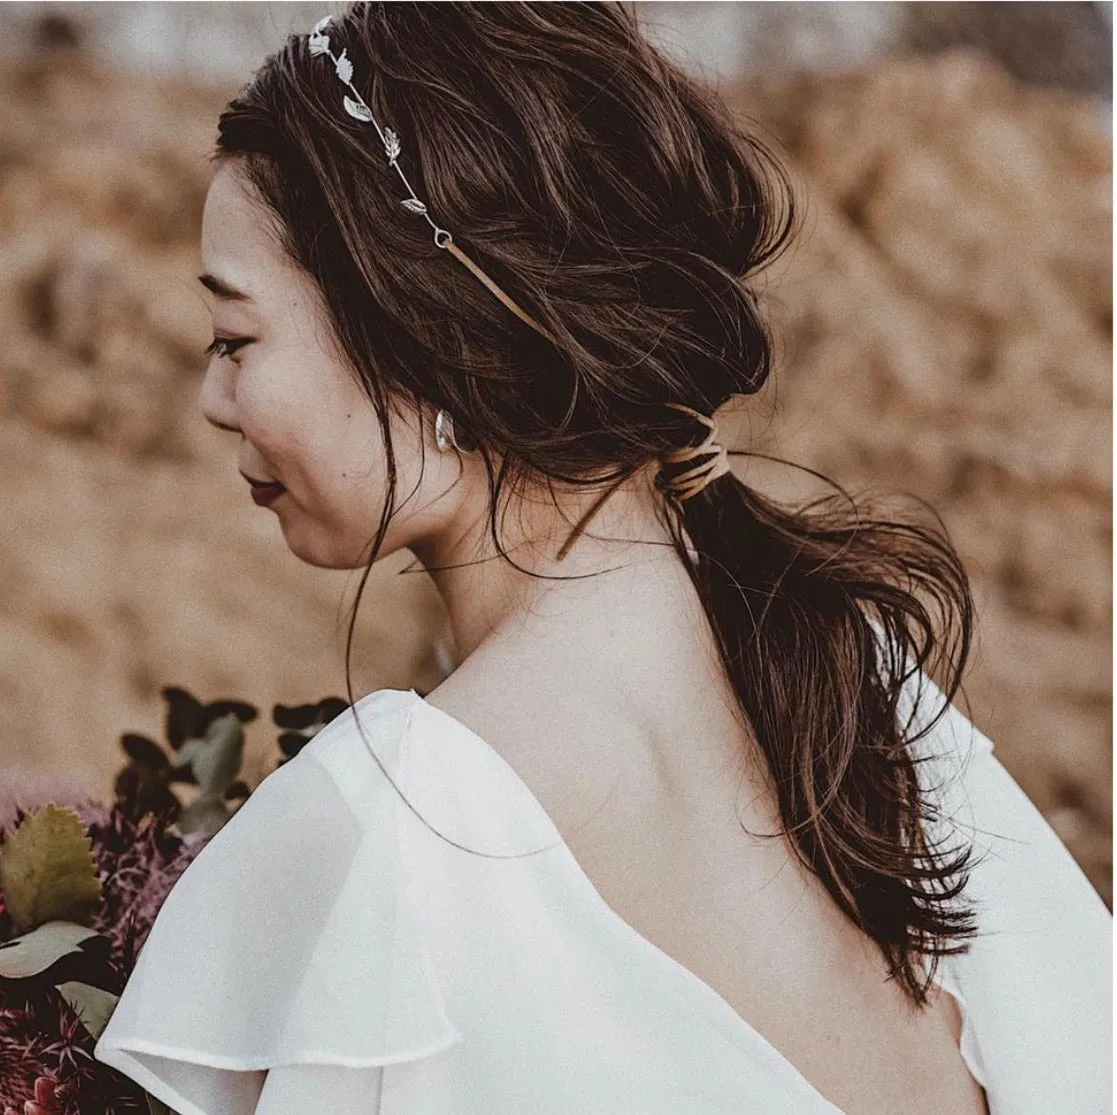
(319, 43)
(711, 458)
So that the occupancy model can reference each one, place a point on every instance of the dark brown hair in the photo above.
(622, 206)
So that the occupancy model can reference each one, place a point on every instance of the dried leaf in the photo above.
(357, 110)
(414, 204)
(344, 67)
(47, 871)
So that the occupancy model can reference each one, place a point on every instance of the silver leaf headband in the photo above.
(319, 43)
(712, 457)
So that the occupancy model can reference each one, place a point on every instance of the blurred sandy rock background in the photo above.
(944, 320)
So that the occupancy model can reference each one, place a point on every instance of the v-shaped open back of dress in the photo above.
(328, 951)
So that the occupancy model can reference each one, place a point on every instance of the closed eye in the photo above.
(226, 346)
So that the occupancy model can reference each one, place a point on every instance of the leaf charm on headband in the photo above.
(319, 42)
(391, 145)
(357, 110)
(344, 67)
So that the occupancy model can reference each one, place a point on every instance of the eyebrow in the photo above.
(223, 289)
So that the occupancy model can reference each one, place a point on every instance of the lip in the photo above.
(263, 491)
(260, 483)
(263, 494)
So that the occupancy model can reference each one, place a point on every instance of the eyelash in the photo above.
(224, 346)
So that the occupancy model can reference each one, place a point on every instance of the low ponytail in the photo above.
(798, 601)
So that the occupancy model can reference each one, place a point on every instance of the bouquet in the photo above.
(80, 888)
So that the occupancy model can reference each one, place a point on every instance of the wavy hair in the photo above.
(625, 208)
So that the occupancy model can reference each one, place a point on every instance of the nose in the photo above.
(215, 397)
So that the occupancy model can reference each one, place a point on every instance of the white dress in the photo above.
(326, 952)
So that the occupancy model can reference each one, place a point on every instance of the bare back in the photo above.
(662, 844)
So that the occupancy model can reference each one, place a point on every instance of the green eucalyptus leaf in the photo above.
(189, 750)
(204, 814)
(218, 763)
(36, 952)
(92, 1005)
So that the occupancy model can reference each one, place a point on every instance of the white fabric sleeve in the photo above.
(287, 964)
(1038, 977)
(309, 1088)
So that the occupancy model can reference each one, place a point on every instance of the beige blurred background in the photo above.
(945, 326)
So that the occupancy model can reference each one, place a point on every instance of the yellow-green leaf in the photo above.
(47, 871)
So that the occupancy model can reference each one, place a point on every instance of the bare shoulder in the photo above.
(549, 732)
(589, 745)
(510, 711)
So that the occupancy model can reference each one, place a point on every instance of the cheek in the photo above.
(332, 462)
(275, 443)
(319, 435)
(274, 416)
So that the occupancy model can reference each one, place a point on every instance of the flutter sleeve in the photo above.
(286, 967)
(1038, 977)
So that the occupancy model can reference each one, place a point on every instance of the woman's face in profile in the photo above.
(275, 379)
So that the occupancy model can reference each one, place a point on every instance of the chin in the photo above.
(323, 559)
(324, 553)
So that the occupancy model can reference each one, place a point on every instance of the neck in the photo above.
(620, 581)
(614, 634)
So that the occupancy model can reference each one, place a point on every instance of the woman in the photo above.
(681, 833)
